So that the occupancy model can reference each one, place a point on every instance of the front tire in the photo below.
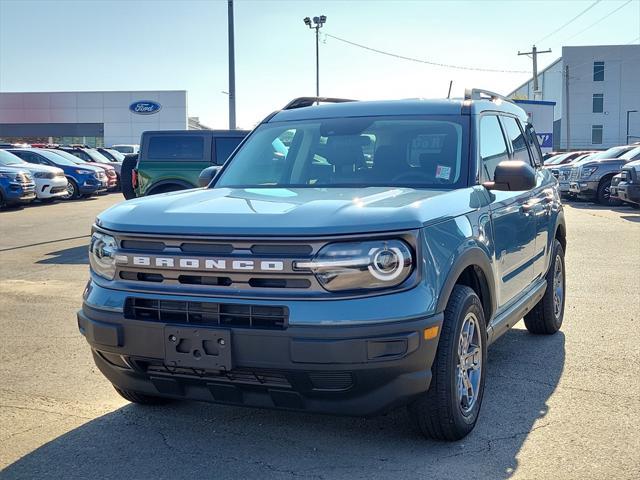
(141, 398)
(604, 194)
(546, 317)
(449, 409)
(73, 192)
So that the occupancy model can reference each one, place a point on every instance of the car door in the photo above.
(512, 220)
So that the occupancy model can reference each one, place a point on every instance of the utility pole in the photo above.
(566, 105)
(629, 112)
(318, 23)
(232, 69)
(534, 55)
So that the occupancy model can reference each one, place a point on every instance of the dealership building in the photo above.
(595, 89)
(91, 118)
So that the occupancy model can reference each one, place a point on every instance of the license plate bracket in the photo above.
(200, 348)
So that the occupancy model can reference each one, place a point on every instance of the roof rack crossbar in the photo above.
(477, 94)
(301, 102)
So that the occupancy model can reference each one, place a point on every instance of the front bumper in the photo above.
(629, 192)
(360, 370)
(92, 185)
(584, 188)
(18, 193)
(51, 187)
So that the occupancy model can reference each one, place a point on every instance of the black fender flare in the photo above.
(169, 181)
(473, 256)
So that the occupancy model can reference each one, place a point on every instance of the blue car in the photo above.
(367, 266)
(84, 180)
(16, 187)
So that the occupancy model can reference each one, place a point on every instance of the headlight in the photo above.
(42, 174)
(83, 172)
(587, 172)
(362, 265)
(102, 255)
(16, 177)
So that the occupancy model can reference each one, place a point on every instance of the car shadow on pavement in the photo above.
(199, 440)
(68, 256)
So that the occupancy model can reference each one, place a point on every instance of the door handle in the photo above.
(527, 208)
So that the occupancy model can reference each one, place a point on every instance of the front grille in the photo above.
(58, 189)
(331, 380)
(574, 174)
(207, 313)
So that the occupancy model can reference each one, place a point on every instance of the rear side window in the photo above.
(534, 145)
(223, 147)
(516, 137)
(176, 147)
(493, 148)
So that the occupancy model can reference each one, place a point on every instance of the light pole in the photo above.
(628, 112)
(317, 24)
(232, 68)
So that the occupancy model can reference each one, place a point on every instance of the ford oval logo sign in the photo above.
(145, 107)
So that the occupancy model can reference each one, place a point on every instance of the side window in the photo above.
(27, 156)
(176, 147)
(516, 137)
(534, 145)
(493, 148)
(223, 147)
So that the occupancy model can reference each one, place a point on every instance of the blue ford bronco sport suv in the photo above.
(367, 267)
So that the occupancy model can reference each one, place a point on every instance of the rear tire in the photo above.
(546, 317)
(449, 409)
(141, 398)
(126, 184)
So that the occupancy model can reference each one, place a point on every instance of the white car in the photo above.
(51, 182)
(126, 148)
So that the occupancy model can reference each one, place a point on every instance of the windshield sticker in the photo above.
(443, 172)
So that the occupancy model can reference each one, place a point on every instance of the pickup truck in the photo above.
(349, 258)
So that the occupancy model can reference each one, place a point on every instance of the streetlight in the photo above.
(628, 112)
(317, 24)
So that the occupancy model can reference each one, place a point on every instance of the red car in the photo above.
(82, 156)
(112, 178)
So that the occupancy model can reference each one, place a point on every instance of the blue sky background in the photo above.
(59, 45)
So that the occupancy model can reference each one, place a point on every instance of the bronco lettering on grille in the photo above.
(204, 263)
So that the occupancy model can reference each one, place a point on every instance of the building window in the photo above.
(598, 103)
(598, 71)
(596, 134)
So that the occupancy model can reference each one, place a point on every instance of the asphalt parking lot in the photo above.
(565, 406)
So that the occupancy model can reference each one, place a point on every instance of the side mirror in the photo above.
(207, 175)
(512, 175)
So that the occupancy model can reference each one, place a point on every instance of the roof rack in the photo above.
(301, 102)
(479, 94)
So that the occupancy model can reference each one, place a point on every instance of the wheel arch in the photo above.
(153, 188)
(473, 269)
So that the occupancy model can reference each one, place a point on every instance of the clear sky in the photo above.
(60, 45)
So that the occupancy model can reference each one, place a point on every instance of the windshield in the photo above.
(55, 158)
(631, 154)
(557, 159)
(7, 158)
(96, 156)
(117, 156)
(424, 152)
(613, 152)
(68, 156)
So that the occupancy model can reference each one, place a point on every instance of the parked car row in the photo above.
(607, 177)
(52, 172)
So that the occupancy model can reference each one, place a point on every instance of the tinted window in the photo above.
(598, 103)
(598, 71)
(176, 147)
(516, 137)
(427, 152)
(596, 134)
(223, 147)
(493, 148)
(26, 156)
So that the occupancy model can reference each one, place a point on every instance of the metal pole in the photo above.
(317, 61)
(534, 50)
(232, 69)
(450, 85)
(566, 119)
(628, 112)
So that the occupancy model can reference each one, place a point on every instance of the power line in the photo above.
(599, 20)
(417, 60)
(570, 21)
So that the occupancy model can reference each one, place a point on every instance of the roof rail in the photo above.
(477, 94)
(308, 101)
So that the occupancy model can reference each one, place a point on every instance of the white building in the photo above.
(596, 88)
(91, 118)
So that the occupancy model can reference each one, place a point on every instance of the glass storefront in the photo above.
(89, 141)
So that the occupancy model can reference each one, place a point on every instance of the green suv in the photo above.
(172, 160)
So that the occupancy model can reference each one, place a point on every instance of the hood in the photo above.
(86, 166)
(34, 167)
(284, 212)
